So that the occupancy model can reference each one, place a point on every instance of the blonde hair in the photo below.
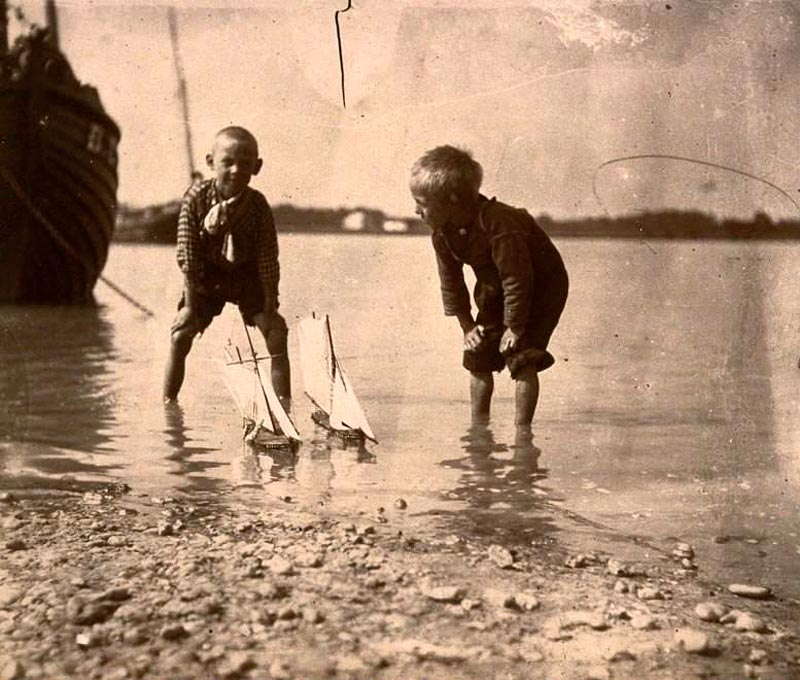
(238, 133)
(447, 170)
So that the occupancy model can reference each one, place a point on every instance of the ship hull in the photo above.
(58, 188)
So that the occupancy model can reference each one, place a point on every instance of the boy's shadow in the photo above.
(501, 485)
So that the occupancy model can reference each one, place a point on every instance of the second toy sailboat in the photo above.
(326, 383)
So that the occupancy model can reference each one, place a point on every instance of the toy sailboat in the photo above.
(247, 377)
(327, 385)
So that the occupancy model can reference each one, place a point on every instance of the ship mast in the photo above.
(3, 28)
(182, 95)
(52, 23)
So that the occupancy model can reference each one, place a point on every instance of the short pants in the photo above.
(241, 286)
(532, 345)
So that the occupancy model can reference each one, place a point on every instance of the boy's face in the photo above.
(233, 162)
(435, 211)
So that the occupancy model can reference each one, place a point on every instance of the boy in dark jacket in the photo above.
(521, 282)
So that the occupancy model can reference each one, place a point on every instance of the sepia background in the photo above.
(672, 410)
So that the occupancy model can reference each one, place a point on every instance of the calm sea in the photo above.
(671, 414)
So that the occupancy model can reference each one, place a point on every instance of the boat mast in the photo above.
(182, 95)
(52, 23)
(3, 28)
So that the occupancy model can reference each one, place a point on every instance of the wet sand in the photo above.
(112, 584)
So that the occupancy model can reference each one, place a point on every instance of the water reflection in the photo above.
(501, 485)
(186, 455)
(56, 387)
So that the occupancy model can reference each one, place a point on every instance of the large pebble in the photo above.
(279, 566)
(8, 595)
(750, 622)
(500, 556)
(692, 641)
(753, 592)
(11, 669)
(451, 594)
(710, 611)
(643, 622)
(526, 601)
(649, 593)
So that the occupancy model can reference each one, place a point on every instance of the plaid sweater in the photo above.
(252, 229)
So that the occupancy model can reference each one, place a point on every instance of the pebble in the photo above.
(400, 504)
(174, 632)
(753, 592)
(11, 669)
(750, 622)
(692, 641)
(643, 622)
(731, 616)
(710, 611)
(280, 670)
(309, 559)
(598, 673)
(312, 615)
(165, 529)
(451, 594)
(499, 598)
(758, 656)
(280, 567)
(8, 595)
(526, 601)
(621, 587)
(649, 593)
(617, 568)
(500, 556)
(235, 665)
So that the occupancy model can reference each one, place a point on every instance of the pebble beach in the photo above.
(107, 584)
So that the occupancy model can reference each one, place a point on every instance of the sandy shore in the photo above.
(107, 585)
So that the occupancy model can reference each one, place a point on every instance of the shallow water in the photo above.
(671, 413)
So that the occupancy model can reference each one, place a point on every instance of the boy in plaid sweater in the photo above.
(228, 252)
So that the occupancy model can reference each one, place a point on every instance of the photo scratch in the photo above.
(683, 159)
(339, 42)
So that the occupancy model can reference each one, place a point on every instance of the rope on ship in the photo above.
(61, 241)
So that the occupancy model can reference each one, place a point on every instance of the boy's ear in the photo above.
(257, 167)
(210, 161)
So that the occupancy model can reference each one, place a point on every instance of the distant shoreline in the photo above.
(157, 224)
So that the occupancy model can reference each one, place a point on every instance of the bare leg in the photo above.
(176, 362)
(280, 369)
(481, 386)
(526, 397)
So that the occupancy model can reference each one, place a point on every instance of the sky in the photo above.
(574, 108)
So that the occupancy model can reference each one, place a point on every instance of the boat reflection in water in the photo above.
(56, 385)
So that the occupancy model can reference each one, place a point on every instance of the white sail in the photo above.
(248, 380)
(325, 381)
(316, 359)
(242, 381)
(347, 412)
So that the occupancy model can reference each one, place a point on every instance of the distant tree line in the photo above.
(158, 224)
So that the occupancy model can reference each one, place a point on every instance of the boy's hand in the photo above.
(508, 343)
(473, 337)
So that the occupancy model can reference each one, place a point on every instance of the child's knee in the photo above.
(182, 338)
